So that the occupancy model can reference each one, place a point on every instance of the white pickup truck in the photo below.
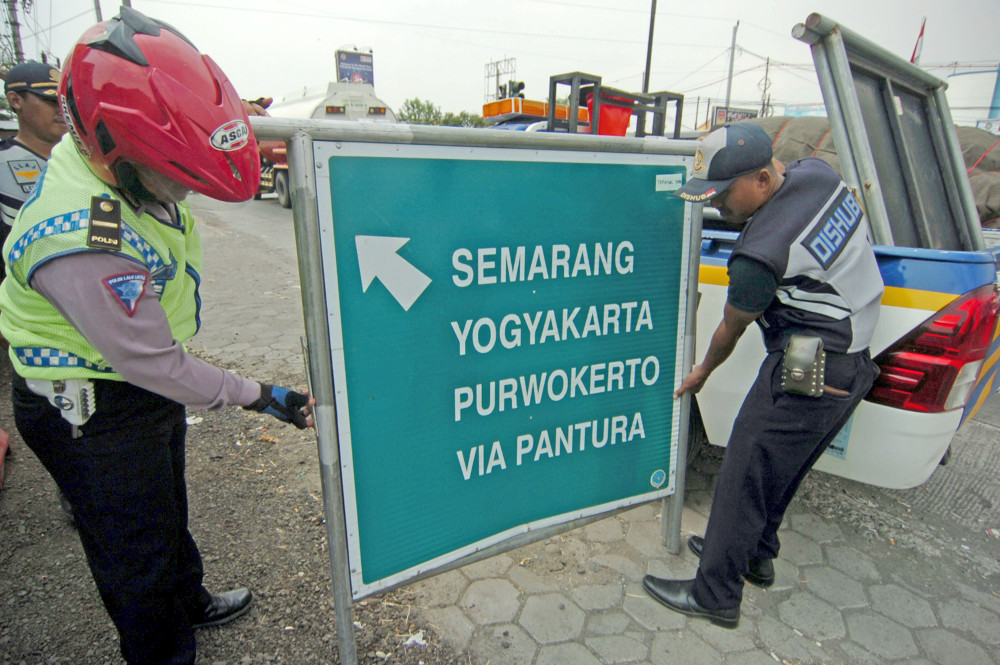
(937, 339)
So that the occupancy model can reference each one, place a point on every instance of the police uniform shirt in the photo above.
(137, 342)
(19, 172)
(133, 335)
(139, 346)
(20, 169)
(824, 279)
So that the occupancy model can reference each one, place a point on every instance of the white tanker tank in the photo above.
(343, 101)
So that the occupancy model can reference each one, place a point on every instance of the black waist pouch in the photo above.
(803, 366)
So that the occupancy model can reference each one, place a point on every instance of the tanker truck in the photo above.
(341, 101)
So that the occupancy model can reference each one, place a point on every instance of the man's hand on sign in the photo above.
(693, 382)
(284, 404)
(257, 106)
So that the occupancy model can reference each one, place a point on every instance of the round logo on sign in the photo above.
(658, 478)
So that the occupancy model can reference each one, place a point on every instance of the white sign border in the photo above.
(322, 152)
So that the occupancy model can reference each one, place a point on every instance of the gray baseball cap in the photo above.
(723, 156)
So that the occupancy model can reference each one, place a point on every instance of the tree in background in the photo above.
(418, 112)
(463, 119)
(5, 112)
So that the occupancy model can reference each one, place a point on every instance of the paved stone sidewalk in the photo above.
(842, 596)
(577, 599)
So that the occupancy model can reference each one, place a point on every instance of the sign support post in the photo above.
(673, 505)
(312, 282)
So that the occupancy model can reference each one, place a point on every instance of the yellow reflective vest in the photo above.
(54, 222)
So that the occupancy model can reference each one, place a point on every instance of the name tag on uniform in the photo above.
(105, 230)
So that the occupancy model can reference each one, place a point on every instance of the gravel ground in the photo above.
(257, 515)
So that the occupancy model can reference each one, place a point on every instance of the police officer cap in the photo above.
(35, 77)
(723, 156)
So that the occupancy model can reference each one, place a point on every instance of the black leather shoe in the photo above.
(761, 571)
(223, 608)
(676, 594)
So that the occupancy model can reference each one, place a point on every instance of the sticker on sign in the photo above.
(669, 182)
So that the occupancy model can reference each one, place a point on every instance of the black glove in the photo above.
(284, 404)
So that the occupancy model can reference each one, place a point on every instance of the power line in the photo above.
(425, 26)
(63, 22)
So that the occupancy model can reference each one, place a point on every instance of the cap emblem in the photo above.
(699, 161)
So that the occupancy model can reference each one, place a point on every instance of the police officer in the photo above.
(104, 266)
(803, 270)
(31, 93)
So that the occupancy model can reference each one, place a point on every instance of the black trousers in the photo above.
(776, 439)
(125, 479)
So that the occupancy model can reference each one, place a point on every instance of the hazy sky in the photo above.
(438, 49)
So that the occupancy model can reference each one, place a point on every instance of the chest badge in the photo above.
(105, 231)
(26, 172)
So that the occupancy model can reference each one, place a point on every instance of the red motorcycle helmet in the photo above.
(135, 91)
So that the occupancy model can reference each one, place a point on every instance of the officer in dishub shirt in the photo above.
(803, 269)
(102, 292)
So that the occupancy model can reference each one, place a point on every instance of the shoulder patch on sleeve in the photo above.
(127, 288)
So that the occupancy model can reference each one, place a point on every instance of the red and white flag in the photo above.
(915, 58)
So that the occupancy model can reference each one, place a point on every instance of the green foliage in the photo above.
(5, 112)
(419, 112)
(463, 119)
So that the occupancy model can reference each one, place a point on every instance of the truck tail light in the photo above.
(934, 367)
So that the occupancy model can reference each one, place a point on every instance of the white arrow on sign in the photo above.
(377, 257)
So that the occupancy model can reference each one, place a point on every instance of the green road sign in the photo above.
(506, 331)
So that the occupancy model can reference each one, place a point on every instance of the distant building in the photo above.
(7, 128)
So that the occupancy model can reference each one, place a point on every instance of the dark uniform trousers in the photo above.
(776, 439)
(125, 479)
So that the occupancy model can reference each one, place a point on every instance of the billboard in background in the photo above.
(723, 115)
(504, 349)
(355, 67)
(810, 110)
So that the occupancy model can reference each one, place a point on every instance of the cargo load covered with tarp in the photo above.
(798, 137)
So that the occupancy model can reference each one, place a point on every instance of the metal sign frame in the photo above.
(844, 58)
(300, 136)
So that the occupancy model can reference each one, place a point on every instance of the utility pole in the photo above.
(97, 10)
(995, 103)
(494, 69)
(15, 30)
(732, 54)
(649, 49)
(765, 94)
